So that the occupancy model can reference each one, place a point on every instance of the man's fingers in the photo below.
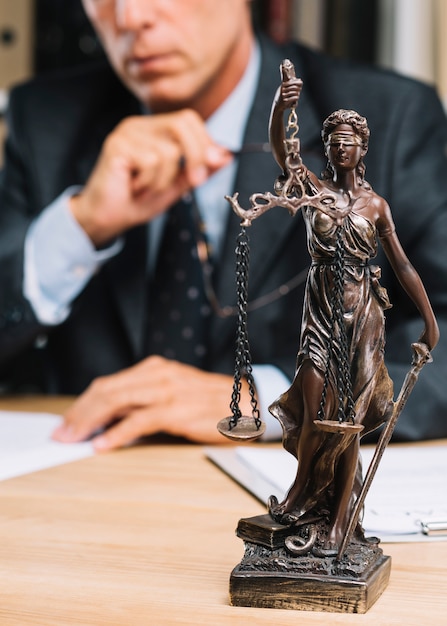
(135, 425)
(146, 163)
(112, 397)
(79, 425)
(155, 395)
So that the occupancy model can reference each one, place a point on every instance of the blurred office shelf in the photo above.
(41, 35)
(16, 37)
(343, 28)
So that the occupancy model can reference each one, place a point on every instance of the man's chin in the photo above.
(163, 105)
(158, 101)
(162, 95)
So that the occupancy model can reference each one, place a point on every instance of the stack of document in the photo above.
(407, 500)
(26, 444)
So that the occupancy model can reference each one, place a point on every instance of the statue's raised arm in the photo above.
(296, 187)
(286, 97)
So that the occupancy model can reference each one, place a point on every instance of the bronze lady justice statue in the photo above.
(341, 388)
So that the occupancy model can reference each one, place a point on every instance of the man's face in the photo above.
(175, 53)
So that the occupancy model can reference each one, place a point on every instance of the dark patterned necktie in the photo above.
(179, 310)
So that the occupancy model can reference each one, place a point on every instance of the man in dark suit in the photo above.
(87, 169)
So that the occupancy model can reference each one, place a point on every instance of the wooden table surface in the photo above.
(146, 536)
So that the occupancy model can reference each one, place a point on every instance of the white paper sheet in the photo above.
(26, 445)
(409, 487)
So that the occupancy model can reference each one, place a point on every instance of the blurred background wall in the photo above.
(407, 35)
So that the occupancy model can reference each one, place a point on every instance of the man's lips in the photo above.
(151, 64)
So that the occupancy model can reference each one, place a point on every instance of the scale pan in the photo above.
(245, 429)
(343, 428)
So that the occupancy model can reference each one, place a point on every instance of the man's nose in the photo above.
(134, 14)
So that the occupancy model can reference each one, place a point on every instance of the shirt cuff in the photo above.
(270, 383)
(59, 260)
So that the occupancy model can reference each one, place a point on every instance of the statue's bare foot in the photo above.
(280, 512)
(276, 510)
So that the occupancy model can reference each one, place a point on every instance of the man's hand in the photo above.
(156, 395)
(145, 165)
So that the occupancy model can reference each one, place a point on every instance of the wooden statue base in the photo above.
(269, 576)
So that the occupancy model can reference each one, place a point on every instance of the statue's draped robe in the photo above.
(364, 303)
